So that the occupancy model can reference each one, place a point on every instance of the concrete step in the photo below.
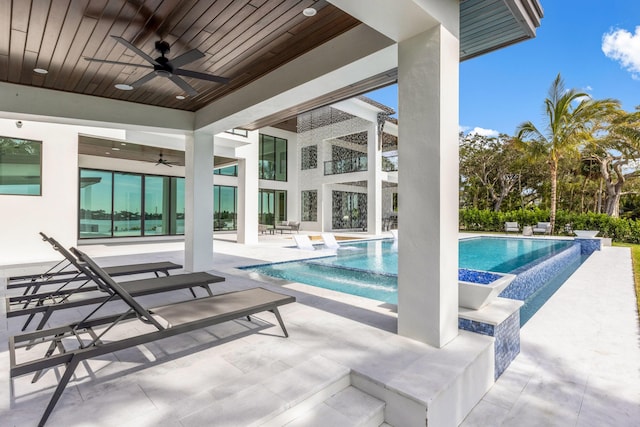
(349, 407)
(276, 400)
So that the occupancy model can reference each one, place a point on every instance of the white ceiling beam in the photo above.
(402, 19)
(54, 106)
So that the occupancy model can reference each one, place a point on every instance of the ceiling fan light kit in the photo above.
(163, 67)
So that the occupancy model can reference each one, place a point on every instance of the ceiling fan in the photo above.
(163, 67)
(163, 161)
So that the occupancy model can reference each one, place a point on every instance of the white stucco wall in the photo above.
(55, 212)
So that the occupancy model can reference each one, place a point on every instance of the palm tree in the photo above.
(570, 116)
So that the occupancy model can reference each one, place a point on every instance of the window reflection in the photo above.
(20, 166)
(272, 162)
(95, 203)
(157, 192)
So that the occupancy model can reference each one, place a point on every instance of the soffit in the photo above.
(242, 40)
(118, 149)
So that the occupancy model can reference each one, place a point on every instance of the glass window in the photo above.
(95, 203)
(310, 205)
(228, 171)
(240, 132)
(157, 195)
(309, 157)
(272, 163)
(127, 204)
(20, 166)
(177, 206)
(224, 207)
(272, 206)
(112, 203)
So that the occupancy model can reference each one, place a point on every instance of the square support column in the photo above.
(198, 183)
(428, 187)
(374, 180)
(248, 193)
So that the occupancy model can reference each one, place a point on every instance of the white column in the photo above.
(374, 180)
(198, 183)
(325, 196)
(248, 193)
(428, 187)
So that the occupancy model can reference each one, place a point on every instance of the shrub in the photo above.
(619, 229)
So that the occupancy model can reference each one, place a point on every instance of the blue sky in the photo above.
(502, 89)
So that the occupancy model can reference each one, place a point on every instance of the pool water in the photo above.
(370, 268)
(502, 255)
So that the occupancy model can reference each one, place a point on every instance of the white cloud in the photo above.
(624, 47)
(484, 132)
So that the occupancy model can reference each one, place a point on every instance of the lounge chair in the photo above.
(542, 228)
(167, 321)
(47, 303)
(511, 227)
(303, 242)
(330, 241)
(64, 273)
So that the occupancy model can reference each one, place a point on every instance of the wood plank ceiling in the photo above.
(241, 39)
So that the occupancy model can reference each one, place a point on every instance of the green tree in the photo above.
(490, 167)
(616, 150)
(569, 119)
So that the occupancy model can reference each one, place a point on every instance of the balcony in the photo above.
(349, 165)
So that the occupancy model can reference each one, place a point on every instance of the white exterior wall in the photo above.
(55, 212)
(293, 169)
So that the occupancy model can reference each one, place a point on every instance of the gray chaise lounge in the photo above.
(168, 320)
(47, 303)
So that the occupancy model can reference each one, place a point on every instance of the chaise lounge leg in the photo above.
(277, 313)
(71, 367)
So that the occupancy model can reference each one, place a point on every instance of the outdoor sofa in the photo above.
(542, 228)
(289, 226)
(511, 226)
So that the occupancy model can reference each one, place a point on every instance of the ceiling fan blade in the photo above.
(187, 57)
(142, 80)
(201, 76)
(135, 49)
(183, 85)
(106, 61)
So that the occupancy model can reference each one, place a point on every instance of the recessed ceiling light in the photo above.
(40, 71)
(115, 149)
(122, 143)
(123, 86)
(106, 152)
(180, 97)
(309, 11)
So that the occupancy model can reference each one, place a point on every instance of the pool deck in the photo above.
(579, 362)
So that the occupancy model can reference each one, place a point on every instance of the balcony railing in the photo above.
(349, 165)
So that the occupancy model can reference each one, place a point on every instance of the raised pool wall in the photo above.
(501, 319)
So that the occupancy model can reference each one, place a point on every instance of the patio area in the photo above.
(343, 364)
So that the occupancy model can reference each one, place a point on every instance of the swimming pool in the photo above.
(370, 269)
